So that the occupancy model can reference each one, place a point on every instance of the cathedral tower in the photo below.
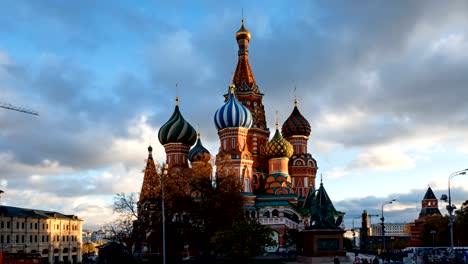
(278, 151)
(302, 166)
(149, 189)
(248, 93)
(177, 135)
(233, 121)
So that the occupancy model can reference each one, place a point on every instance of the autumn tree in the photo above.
(461, 225)
(125, 213)
(435, 231)
(246, 238)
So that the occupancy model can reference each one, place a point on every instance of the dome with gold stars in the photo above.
(278, 147)
(199, 152)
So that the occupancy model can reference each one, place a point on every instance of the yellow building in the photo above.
(57, 237)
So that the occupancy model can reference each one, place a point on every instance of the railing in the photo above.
(278, 221)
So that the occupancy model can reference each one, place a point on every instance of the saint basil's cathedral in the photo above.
(276, 175)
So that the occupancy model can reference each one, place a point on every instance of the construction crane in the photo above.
(16, 108)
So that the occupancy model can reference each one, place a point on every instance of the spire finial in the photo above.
(232, 79)
(150, 151)
(232, 89)
(295, 97)
(177, 93)
(242, 10)
(277, 123)
(321, 179)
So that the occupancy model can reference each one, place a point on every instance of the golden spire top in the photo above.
(243, 33)
(277, 122)
(232, 88)
(295, 97)
(177, 93)
(198, 134)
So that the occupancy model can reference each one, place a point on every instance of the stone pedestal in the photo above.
(321, 246)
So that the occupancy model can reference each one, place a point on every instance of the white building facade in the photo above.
(391, 229)
(57, 237)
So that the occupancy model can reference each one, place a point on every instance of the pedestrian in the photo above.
(376, 260)
(357, 260)
(336, 260)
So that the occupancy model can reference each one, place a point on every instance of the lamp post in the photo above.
(450, 206)
(163, 176)
(433, 232)
(383, 222)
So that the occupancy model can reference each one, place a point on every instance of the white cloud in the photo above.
(454, 46)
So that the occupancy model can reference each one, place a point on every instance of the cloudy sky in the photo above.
(382, 83)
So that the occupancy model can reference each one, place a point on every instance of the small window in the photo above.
(8, 224)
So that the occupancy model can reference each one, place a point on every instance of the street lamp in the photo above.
(383, 222)
(163, 176)
(451, 207)
(433, 232)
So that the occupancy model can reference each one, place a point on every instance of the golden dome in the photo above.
(243, 33)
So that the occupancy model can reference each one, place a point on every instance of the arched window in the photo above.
(266, 214)
(275, 213)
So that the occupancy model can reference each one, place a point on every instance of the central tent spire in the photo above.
(243, 77)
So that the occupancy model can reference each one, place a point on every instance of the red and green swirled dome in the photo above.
(296, 124)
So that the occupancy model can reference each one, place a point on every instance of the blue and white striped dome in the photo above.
(233, 114)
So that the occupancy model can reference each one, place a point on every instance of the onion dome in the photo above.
(296, 124)
(243, 33)
(199, 152)
(278, 147)
(233, 114)
(177, 130)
